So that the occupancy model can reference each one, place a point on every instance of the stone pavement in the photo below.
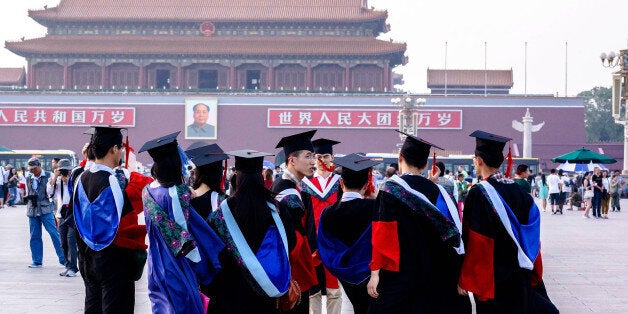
(586, 267)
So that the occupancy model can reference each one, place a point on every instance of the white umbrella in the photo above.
(569, 167)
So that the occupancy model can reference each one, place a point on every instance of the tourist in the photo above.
(39, 210)
(543, 190)
(554, 188)
(59, 183)
(598, 192)
(615, 190)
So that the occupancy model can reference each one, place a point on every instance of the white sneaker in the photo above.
(71, 273)
(63, 273)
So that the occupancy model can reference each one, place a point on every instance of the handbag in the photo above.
(291, 298)
(588, 194)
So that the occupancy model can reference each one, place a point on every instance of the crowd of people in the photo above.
(248, 239)
(594, 192)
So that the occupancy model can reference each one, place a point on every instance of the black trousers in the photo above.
(108, 278)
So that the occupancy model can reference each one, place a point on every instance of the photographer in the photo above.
(39, 210)
(67, 232)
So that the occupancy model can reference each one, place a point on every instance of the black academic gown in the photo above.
(516, 290)
(347, 221)
(302, 222)
(110, 271)
(428, 267)
(230, 292)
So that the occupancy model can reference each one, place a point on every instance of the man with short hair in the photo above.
(598, 192)
(554, 185)
(297, 205)
(200, 127)
(417, 252)
(324, 190)
(39, 210)
(110, 257)
(503, 270)
(59, 183)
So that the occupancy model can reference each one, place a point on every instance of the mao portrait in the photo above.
(200, 119)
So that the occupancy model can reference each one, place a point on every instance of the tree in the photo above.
(599, 123)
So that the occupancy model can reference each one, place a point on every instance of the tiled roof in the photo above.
(469, 78)
(209, 10)
(11, 76)
(187, 45)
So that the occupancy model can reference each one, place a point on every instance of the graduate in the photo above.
(344, 231)
(111, 249)
(501, 233)
(416, 241)
(183, 251)
(208, 178)
(256, 267)
(297, 205)
(324, 190)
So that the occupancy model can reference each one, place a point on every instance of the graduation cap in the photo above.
(355, 163)
(248, 160)
(162, 147)
(90, 131)
(297, 142)
(490, 147)
(324, 146)
(105, 136)
(207, 154)
(356, 171)
(416, 148)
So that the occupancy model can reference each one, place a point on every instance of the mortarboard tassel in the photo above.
(370, 188)
(128, 149)
(224, 174)
(508, 173)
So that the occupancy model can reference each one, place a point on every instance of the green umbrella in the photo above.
(5, 149)
(584, 156)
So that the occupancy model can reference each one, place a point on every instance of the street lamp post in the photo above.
(408, 114)
(620, 93)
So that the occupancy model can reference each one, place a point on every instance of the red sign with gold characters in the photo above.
(360, 118)
(208, 29)
(67, 116)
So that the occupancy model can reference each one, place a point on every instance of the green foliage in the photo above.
(599, 123)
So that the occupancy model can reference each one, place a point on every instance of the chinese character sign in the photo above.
(360, 119)
(66, 116)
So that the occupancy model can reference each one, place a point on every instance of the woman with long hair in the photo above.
(183, 250)
(543, 190)
(208, 178)
(249, 224)
(586, 184)
(268, 178)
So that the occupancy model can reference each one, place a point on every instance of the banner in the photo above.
(360, 119)
(67, 116)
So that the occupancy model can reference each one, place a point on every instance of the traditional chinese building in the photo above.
(215, 45)
(458, 82)
(12, 78)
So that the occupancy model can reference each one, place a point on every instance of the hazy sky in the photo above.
(589, 27)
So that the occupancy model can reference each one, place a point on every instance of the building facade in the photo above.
(317, 45)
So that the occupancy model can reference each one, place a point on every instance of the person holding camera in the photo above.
(39, 210)
(65, 217)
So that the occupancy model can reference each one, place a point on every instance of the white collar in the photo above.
(100, 167)
(349, 196)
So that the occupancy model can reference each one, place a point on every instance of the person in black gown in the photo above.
(502, 268)
(208, 179)
(254, 233)
(416, 259)
(344, 231)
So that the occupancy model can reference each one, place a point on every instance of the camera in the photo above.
(32, 199)
(64, 172)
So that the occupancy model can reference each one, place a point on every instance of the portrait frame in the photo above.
(194, 130)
